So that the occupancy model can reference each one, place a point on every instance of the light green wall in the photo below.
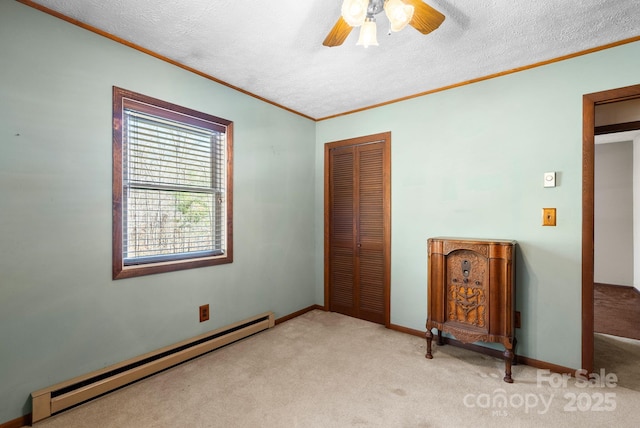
(61, 315)
(469, 162)
(465, 162)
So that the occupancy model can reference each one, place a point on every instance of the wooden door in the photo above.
(357, 227)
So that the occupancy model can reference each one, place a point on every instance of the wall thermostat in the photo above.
(550, 179)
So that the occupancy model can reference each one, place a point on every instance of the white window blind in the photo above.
(173, 190)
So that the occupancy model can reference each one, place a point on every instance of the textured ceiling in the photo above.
(273, 49)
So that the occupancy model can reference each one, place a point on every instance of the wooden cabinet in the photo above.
(471, 292)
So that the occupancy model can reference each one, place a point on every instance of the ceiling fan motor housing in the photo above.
(375, 7)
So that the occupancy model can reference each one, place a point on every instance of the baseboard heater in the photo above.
(64, 395)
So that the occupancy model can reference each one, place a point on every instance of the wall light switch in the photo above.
(550, 179)
(548, 216)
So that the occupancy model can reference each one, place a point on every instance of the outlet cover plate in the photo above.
(204, 313)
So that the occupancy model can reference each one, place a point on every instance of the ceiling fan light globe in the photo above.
(399, 14)
(368, 33)
(354, 12)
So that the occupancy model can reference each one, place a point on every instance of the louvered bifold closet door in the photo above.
(356, 255)
(342, 230)
(370, 270)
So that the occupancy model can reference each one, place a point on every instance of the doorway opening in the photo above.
(590, 101)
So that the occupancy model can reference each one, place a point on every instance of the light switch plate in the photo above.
(548, 216)
(550, 179)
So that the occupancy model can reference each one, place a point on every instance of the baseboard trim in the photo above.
(297, 314)
(600, 284)
(489, 351)
(546, 366)
(17, 422)
(407, 330)
(603, 284)
(519, 358)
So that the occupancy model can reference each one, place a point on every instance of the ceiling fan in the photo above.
(361, 13)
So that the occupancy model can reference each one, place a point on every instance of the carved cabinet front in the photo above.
(471, 292)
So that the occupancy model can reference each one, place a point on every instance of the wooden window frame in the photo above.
(119, 270)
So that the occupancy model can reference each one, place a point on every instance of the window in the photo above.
(172, 187)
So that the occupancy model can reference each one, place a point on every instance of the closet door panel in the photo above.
(357, 227)
(343, 231)
(370, 238)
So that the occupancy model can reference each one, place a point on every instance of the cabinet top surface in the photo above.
(474, 240)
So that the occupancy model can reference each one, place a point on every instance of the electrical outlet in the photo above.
(204, 313)
(518, 319)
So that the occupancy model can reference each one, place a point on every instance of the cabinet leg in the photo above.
(508, 358)
(440, 339)
(429, 336)
(515, 358)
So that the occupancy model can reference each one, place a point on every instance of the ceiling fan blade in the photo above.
(338, 33)
(425, 18)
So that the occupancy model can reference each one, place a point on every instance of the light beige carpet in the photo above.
(328, 370)
(619, 355)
